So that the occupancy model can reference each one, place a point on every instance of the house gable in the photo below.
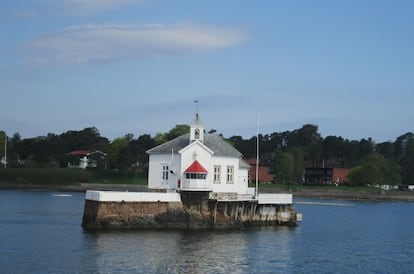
(196, 144)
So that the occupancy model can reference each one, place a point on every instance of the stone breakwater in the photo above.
(191, 210)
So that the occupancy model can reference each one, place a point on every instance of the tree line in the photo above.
(286, 153)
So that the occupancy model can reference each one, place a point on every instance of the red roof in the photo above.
(79, 152)
(195, 167)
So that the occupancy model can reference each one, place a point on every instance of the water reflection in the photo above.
(245, 251)
(41, 233)
(210, 251)
(172, 252)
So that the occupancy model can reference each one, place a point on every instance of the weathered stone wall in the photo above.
(195, 212)
(99, 215)
(250, 214)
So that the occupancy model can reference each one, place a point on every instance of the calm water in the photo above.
(40, 232)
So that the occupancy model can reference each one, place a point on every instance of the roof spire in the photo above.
(197, 118)
(196, 129)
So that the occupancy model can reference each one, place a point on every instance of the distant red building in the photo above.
(340, 175)
(326, 176)
(265, 176)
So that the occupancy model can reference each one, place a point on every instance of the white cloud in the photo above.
(97, 43)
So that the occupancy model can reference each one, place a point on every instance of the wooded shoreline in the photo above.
(329, 194)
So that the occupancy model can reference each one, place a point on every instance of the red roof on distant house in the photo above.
(195, 167)
(79, 152)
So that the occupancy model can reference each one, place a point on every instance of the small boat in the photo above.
(62, 195)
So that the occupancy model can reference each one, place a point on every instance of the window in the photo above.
(165, 172)
(217, 172)
(195, 176)
(230, 172)
(197, 134)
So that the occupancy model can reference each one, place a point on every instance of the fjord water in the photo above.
(40, 232)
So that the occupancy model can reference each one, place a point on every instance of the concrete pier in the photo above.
(185, 210)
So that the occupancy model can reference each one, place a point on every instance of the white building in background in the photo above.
(198, 161)
(85, 158)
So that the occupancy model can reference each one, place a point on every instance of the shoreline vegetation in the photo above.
(308, 192)
(78, 180)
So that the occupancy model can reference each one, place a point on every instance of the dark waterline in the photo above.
(40, 232)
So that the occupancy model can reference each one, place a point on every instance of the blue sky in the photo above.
(128, 66)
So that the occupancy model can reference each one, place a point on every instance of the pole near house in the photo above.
(257, 158)
(5, 150)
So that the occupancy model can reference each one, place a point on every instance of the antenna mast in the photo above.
(5, 150)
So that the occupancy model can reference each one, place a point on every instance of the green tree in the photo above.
(387, 149)
(282, 166)
(333, 151)
(86, 139)
(116, 153)
(3, 142)
(375, 170)
(298, 164)
(309, 140)
(407, 163)
(392, 174)
(400, 145)
(246, 147)
(288, 166)
(352, 156)
(161, 138)
(365, 174)
(13, 151)
(138, 150)
(366, 147)
(177, 131)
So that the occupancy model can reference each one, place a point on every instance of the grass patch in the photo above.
(118, 178)
(292, 187)
(46, 176)
(68, 176)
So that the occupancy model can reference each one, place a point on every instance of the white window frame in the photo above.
(230, 175)
(217, 174)
(165, 172)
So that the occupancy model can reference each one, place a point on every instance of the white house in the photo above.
(198, 161)
(85, 158)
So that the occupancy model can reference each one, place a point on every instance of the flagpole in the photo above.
(257, 157)
(5, 150)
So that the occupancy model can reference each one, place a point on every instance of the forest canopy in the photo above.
(286, 153)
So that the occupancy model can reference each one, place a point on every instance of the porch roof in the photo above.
(196, 167)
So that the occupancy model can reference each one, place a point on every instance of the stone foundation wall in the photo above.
(98, 215)
(195, 212)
